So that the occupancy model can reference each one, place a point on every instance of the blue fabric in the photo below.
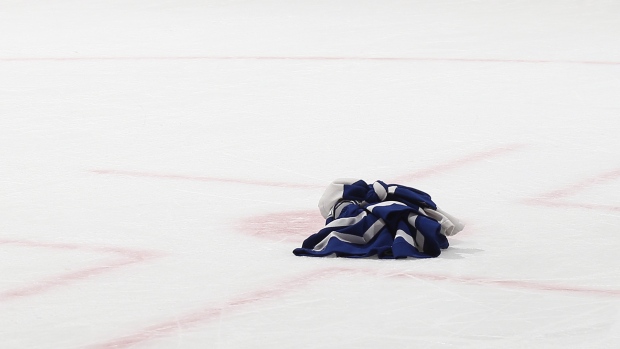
(362, 224)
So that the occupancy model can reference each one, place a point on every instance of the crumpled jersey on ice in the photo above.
(390, 221)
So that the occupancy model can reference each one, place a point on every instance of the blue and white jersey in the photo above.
(390, 221)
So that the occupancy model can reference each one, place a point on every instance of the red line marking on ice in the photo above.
(510, 284)
(206, 179)
(583, 184)
(272, 221)
(438, 169)
(451, 165)
(304, 58)
(557, 198)
(129, 257)
(297, 225)
(560, 204)
(282, 226)
(135, 254)
(211, 313)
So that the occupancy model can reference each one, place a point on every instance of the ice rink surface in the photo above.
(160, 160)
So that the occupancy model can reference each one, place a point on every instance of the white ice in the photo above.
(160, 160)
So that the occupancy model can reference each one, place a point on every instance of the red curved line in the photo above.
(123, 257)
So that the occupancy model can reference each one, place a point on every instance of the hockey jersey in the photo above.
(387, 220)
